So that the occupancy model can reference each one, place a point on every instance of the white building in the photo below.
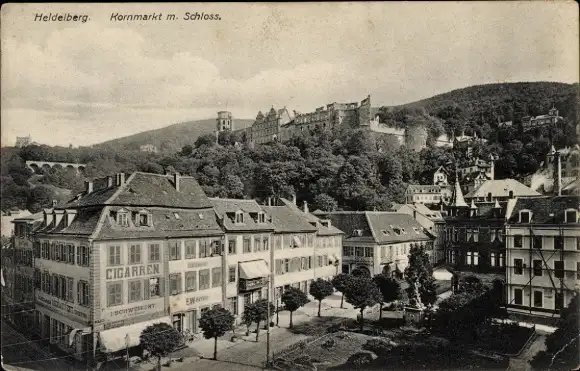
(543, 255)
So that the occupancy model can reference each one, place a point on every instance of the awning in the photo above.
(119, 338)
(74, 332)
(254, 269)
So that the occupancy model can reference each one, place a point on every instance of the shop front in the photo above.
(187, 308)
(65, 324)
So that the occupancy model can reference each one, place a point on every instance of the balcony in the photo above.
(252, 284)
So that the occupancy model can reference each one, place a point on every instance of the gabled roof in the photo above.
(501, 188)
(424, 188)
(457, 199)
(433, 215)
(287, 220)
(146, 189)
(226, 209)
(380, 227)
(545, 209)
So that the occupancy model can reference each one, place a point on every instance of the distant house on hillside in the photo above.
(551, 119)
(148, 148)
(23, 141)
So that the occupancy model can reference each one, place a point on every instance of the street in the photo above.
(22, 354)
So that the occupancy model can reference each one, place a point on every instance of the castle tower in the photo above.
(224, 121)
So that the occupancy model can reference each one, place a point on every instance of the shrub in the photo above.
(330, 343)
(379, 345)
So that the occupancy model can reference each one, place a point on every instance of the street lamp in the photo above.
(268, 321)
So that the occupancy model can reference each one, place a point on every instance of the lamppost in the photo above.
(268, 363)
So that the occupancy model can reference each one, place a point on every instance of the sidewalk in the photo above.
(246, 353)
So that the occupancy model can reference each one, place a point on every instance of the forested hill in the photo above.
(502, 102)
(170, 138)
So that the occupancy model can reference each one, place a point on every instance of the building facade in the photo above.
(378, 242)
(23, 141)
(474, 234)
(428, 194)
(543, 255)
(224, 121)
(148, 148)
(432, 222)
(551, 119)
(130, 252)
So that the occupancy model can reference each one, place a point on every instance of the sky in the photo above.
(83, 83)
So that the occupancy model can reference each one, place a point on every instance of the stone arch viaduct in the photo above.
(37, 166)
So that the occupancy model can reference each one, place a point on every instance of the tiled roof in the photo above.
(312, 219)
(226, 209)
(501, 188)
(146, 189)
(378, 226)
(433, 215)
(84, 223)
(285, 219)
(485, 210)
(545, 209)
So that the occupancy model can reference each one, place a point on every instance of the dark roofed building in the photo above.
(378, 241)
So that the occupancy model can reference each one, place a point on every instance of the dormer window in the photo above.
(571, 216)
(261, 217)
(239, 218)
(525, 216)
(123, 219)
(201, 216)
(357, 233)
(143, 219)
(176, 215)
(397, 231)
(385, 232)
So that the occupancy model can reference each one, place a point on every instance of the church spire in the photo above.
(457, 199)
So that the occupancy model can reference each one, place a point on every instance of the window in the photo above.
(83, 293)
(368, 252)
(257, 244)
(114, 293)
(231, 247)
(518, 241)
(155, 287)
(154, 253)
(114, 255)
(472, 258)
(261, 217)
(204, 279)
(537, 264)
(538, 299)
(571, 216)
(525, 216)
(232, 273)
(537, 242)
(175, 284)
(492, 259)
(135, 254)
(359, 251)
(578, 270)
(247, 248)
(559, 301)
(191, 281)
(216, 277)
(239, 217)
(143, 219)
(190, 252)
(518, 296)
(558, 242)
(69, 289)
(518, 266)
(500, 261)
(205, 248)
(265, 244)
(135, 291)
(83, 256)
(559, 269)
(71, 254)
(233, 305)
(175, 250)
(123, 219)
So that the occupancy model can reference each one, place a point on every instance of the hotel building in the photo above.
(543, 255)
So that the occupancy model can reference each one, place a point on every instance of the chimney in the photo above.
(305, 207)
(557, 175)
(109, 181)
(294, 199)
(269, 201)
(176, 181)
(54, 203)
(88, 186)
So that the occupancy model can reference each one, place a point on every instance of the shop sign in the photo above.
(131, 312)
(61, 308)
(196, 264)
(195, 299)
(132, 272)
(246, 285)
